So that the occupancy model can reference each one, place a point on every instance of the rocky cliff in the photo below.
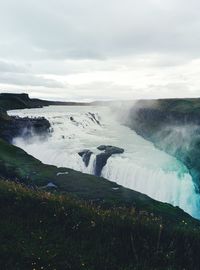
(23, 101)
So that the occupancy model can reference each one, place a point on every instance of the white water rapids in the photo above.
(141, 167)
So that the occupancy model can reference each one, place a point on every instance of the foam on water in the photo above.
(141, 167)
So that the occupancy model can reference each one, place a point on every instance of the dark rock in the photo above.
(11, 127)
(101, 159)
(111, 149)
(85, 154)
(93, 118)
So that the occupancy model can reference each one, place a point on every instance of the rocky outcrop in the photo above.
(85, 154)
(11, 127)
(101, 159)
(93, 117)
(109, 149)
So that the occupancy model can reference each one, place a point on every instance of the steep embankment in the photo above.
(173, 125)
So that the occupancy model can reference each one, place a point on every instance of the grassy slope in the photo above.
(40, 230)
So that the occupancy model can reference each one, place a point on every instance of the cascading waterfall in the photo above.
(141, 167)
(170, 187)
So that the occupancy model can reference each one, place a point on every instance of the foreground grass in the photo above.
(40, 230)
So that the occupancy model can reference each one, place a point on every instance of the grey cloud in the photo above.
(63, 37)
(65, 29)
(12, 68)
(28, 80)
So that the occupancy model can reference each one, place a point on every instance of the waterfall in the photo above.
(91, 166)
(172, 187)
(141, 167)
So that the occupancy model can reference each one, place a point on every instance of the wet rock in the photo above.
(111, 149)
(92, 116)
(11, 127)
(101, 159)
(85, 154)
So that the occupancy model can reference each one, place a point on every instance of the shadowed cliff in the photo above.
(173, 125)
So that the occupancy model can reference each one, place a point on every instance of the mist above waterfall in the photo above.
(180, 137)
(140, 167)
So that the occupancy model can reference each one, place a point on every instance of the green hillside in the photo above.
(40, 230)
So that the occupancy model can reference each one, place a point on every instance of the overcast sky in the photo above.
(100, 49)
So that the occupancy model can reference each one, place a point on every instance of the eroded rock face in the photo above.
(101, 159)
(85, 154)
(93, 118)
(11, 127)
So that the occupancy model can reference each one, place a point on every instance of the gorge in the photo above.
(75, 141)
(50, 208)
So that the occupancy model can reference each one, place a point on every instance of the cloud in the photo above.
(24, 79)
(10, 67)
(100, 49)
(98, 29)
